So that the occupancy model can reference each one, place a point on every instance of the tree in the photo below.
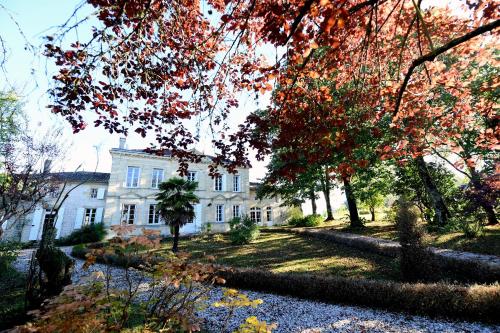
(372, 185)
(148, 66)
(408, 184)
(292, 190)
(25, 179)
(175, 204)
(11, 116)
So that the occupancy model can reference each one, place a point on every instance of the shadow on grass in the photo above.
(291, 253)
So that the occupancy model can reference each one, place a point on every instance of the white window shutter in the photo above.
(79, 218)
(59, 221)
(100, 193)
(198, 208)
(35, 224)
(98, 215)
(224, 182)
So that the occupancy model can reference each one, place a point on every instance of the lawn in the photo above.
(487, 243)
(280, 252)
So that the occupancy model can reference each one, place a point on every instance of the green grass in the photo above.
(12, 288)
(280, 252)
(488, 243)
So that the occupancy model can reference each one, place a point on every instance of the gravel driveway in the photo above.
(297, 315)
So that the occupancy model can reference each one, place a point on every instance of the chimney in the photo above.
(46, 166)
(122, 143)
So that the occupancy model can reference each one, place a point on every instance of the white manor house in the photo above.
(127, 194)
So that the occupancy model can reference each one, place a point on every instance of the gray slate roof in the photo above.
(80, 176)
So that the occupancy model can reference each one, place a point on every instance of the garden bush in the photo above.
(306, 221)
(415, 258)
(243, 230)
(87, 234)
(8, 253)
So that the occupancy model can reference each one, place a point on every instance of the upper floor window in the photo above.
(191, 176)
(157, 178)
(133, 176)
(93, 193)
(255, 214)
(219, 213)
(236, 211)
(154, 215)
(90, 216)
(128, 214)
(218, 183)
(269, 214)
(236, 183)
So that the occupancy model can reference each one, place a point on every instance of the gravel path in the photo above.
(297, 315)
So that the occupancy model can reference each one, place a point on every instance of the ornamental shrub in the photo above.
(243, 230)
(306, 221)
(88, 234)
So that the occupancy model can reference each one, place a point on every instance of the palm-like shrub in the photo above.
(176, 201)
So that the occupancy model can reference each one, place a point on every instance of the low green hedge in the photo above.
(476, 302)
(306, 221)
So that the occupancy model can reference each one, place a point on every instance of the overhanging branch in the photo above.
(432, 55)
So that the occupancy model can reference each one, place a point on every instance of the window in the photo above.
(236, 211)
(218, 183)
(219, 211)
(128, 214)
(269, 214)
(255, 214)
(93, 193)
(157, 178)
(191, 176)
(236, 183)
(49, 217)
(133, 176)
(154, 215)
(90, 216)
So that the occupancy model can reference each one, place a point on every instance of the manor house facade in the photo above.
(127, 194)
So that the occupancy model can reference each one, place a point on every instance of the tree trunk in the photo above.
(441, 212)
(372, 211)
(351, 205)
(175, 247)
(326, 193)
(312, 196)
(487, 207)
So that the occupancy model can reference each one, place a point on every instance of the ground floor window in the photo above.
(128, 214)
(49, 217)
(219, 213)
(255, 214)
(269, 214)
(154, 215)
(90, 216)
(236, 211)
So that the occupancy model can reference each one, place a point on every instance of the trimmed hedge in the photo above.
(477, 302)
